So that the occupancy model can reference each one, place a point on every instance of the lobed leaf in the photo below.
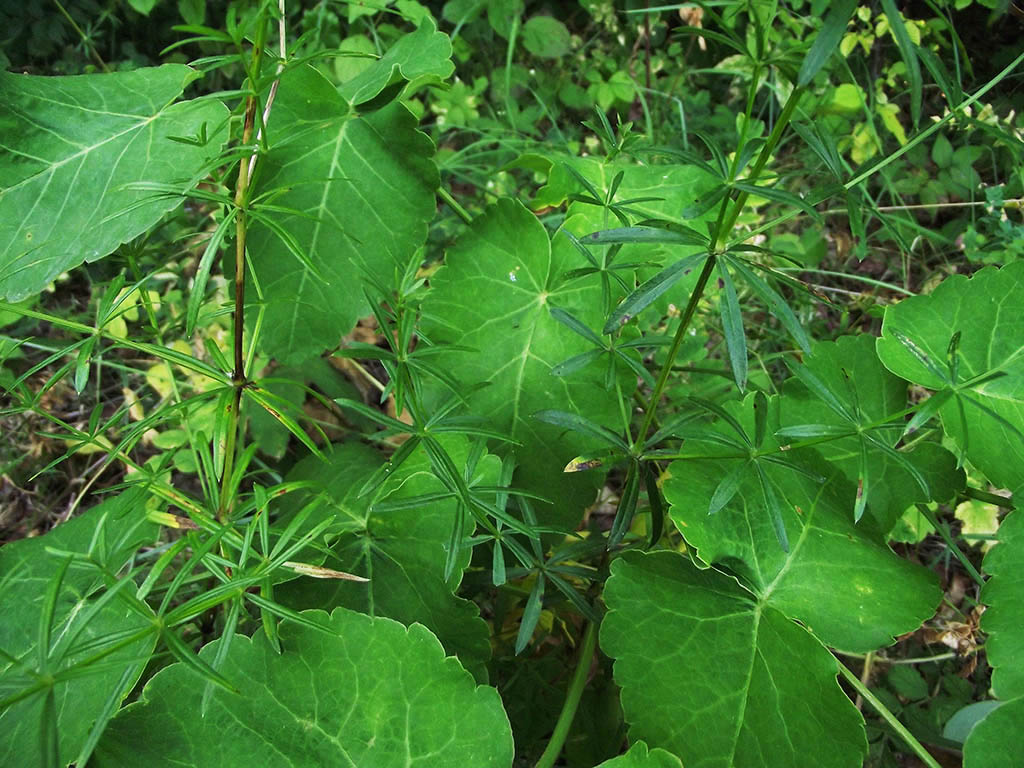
(369, 692)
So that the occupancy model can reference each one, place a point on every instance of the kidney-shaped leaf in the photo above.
(362, 188)
(712, 675)
(873, 595)
(973, 326)
(369, 693)
(70, 145)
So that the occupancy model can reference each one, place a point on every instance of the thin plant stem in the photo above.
(909, 739)
(282, 57)
(81, 34)
(238, 377)
(677, 342)
(935, 126)
(572, 698)
(726, 221)
(865, 676)
(461, 212)
(1013, 203)
(948, 538)
(513, 33)
(988, 498)
(794, 212)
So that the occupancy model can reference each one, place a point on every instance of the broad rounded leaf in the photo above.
(1004, 617)
(664, 190)
(986, 418)
(718, 678)
(546, 37)
(401, 551)
(639, 757)
(425, 53)
(849, 369)
(494, 295)
(369, 693)
(995, 741)
(362, 188)
(873, 595)
(109, 534)
(70, 145)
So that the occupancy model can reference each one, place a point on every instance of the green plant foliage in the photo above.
(852, 392)
(359, 691)
(72, 148)
(637, 360)
(639, 757)
(987, 745)
(963, 341)
(357, 193)
(79, 559)
(546, 37)
(825, 547)
(495, 295)
(419, 57)
(719, 677)
(400, 550)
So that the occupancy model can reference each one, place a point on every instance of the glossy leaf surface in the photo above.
(639, 756)
(400, 551)
(494, 295)
(850, 372)
(108, 535)
(987, 746)
(873, 594)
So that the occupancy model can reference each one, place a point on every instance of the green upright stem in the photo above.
(238, 375)
(572, 698)
(909, 738)
(461, 212)
(762, 161)
(677, 342)
(726, 221)
(81, 34)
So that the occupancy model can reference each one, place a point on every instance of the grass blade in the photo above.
(827, 41)
(909, 55)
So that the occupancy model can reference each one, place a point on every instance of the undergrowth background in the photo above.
(586, 154)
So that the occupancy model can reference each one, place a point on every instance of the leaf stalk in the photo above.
(572, 698)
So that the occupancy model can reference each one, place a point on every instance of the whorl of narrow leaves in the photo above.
(106, 536)
(361, 692)
(965, 341)
(494, 295)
